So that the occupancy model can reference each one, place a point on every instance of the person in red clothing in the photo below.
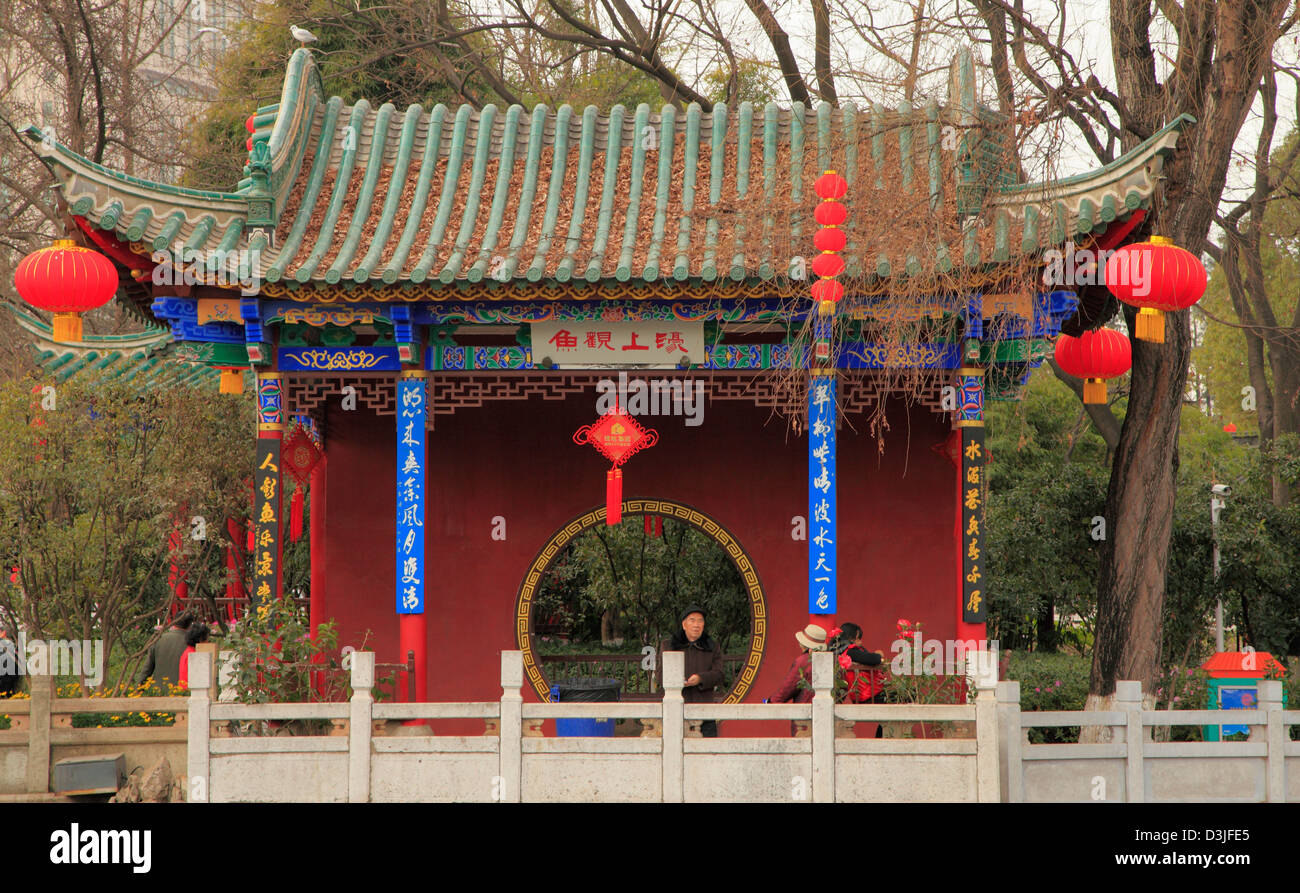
(194, 636)
(865, 685)
(812, 638)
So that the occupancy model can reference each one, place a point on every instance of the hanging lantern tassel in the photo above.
(295, 515)
(1151, 325)
(1094, 390)
(614, 496)
(232, 380)
(66, 327)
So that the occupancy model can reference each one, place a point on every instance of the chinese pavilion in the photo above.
(428, 300)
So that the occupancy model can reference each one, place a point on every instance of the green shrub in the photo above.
(1050, 682)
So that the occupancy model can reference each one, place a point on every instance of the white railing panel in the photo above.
(1047, 719)
(437, 744)
(895, 746)
(608, 710)
(278, 745)
(467, 710)
(905, 778)
(249, 712)
(593, 745)
(747, 745)
(913, 713)
(1113, 751)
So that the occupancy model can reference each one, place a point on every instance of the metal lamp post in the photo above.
(1218, 500)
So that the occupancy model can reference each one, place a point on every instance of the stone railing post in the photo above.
(987, 757)
(198, 735)
(359, 730)
(1270, 701)
(1009, 739)
(673, 727)
(38, 734)
(1128, 698)
(511, 729)
(823, 727)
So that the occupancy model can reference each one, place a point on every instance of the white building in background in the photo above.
(159, 61)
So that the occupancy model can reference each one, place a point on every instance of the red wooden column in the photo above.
(316, 532)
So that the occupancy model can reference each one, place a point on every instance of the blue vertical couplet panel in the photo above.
(412, 411)
(266, 520)
(822, 531)
(974, 594)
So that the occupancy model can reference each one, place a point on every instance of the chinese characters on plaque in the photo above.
(973, 568)
(597, 343)
(266, 520)
(412, 410)
(821, 495)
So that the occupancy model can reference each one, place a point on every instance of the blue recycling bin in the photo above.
(585, 690)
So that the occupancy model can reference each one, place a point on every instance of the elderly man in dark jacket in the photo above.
(703, 663)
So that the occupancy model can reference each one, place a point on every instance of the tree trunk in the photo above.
(1217, 83)
(1046, 634)
(1140, 507)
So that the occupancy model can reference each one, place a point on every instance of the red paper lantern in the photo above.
(828, 265)
(831, 185)
(830, 239)
(1094, 357)
(1156, 277)
(250, 125)
(66, 280)
(830, 214)
(827, 290)
(248, 143)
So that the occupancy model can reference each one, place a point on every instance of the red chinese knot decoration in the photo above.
(66, 280)
(1157, 277)
(618, 437)
(299, 456)
(1094, 357)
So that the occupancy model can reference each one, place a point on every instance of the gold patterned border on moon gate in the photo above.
(683, 513)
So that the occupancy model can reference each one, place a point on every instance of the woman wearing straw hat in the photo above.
(811, 638)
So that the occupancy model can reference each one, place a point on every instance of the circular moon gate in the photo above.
(683, 513)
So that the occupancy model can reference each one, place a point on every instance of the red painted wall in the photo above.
(897, 552)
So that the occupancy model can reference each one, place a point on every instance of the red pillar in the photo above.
(317, 544)
(412, 634)
(316, 532)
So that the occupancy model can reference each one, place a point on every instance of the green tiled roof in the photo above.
(145, 358)
(365, 194)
